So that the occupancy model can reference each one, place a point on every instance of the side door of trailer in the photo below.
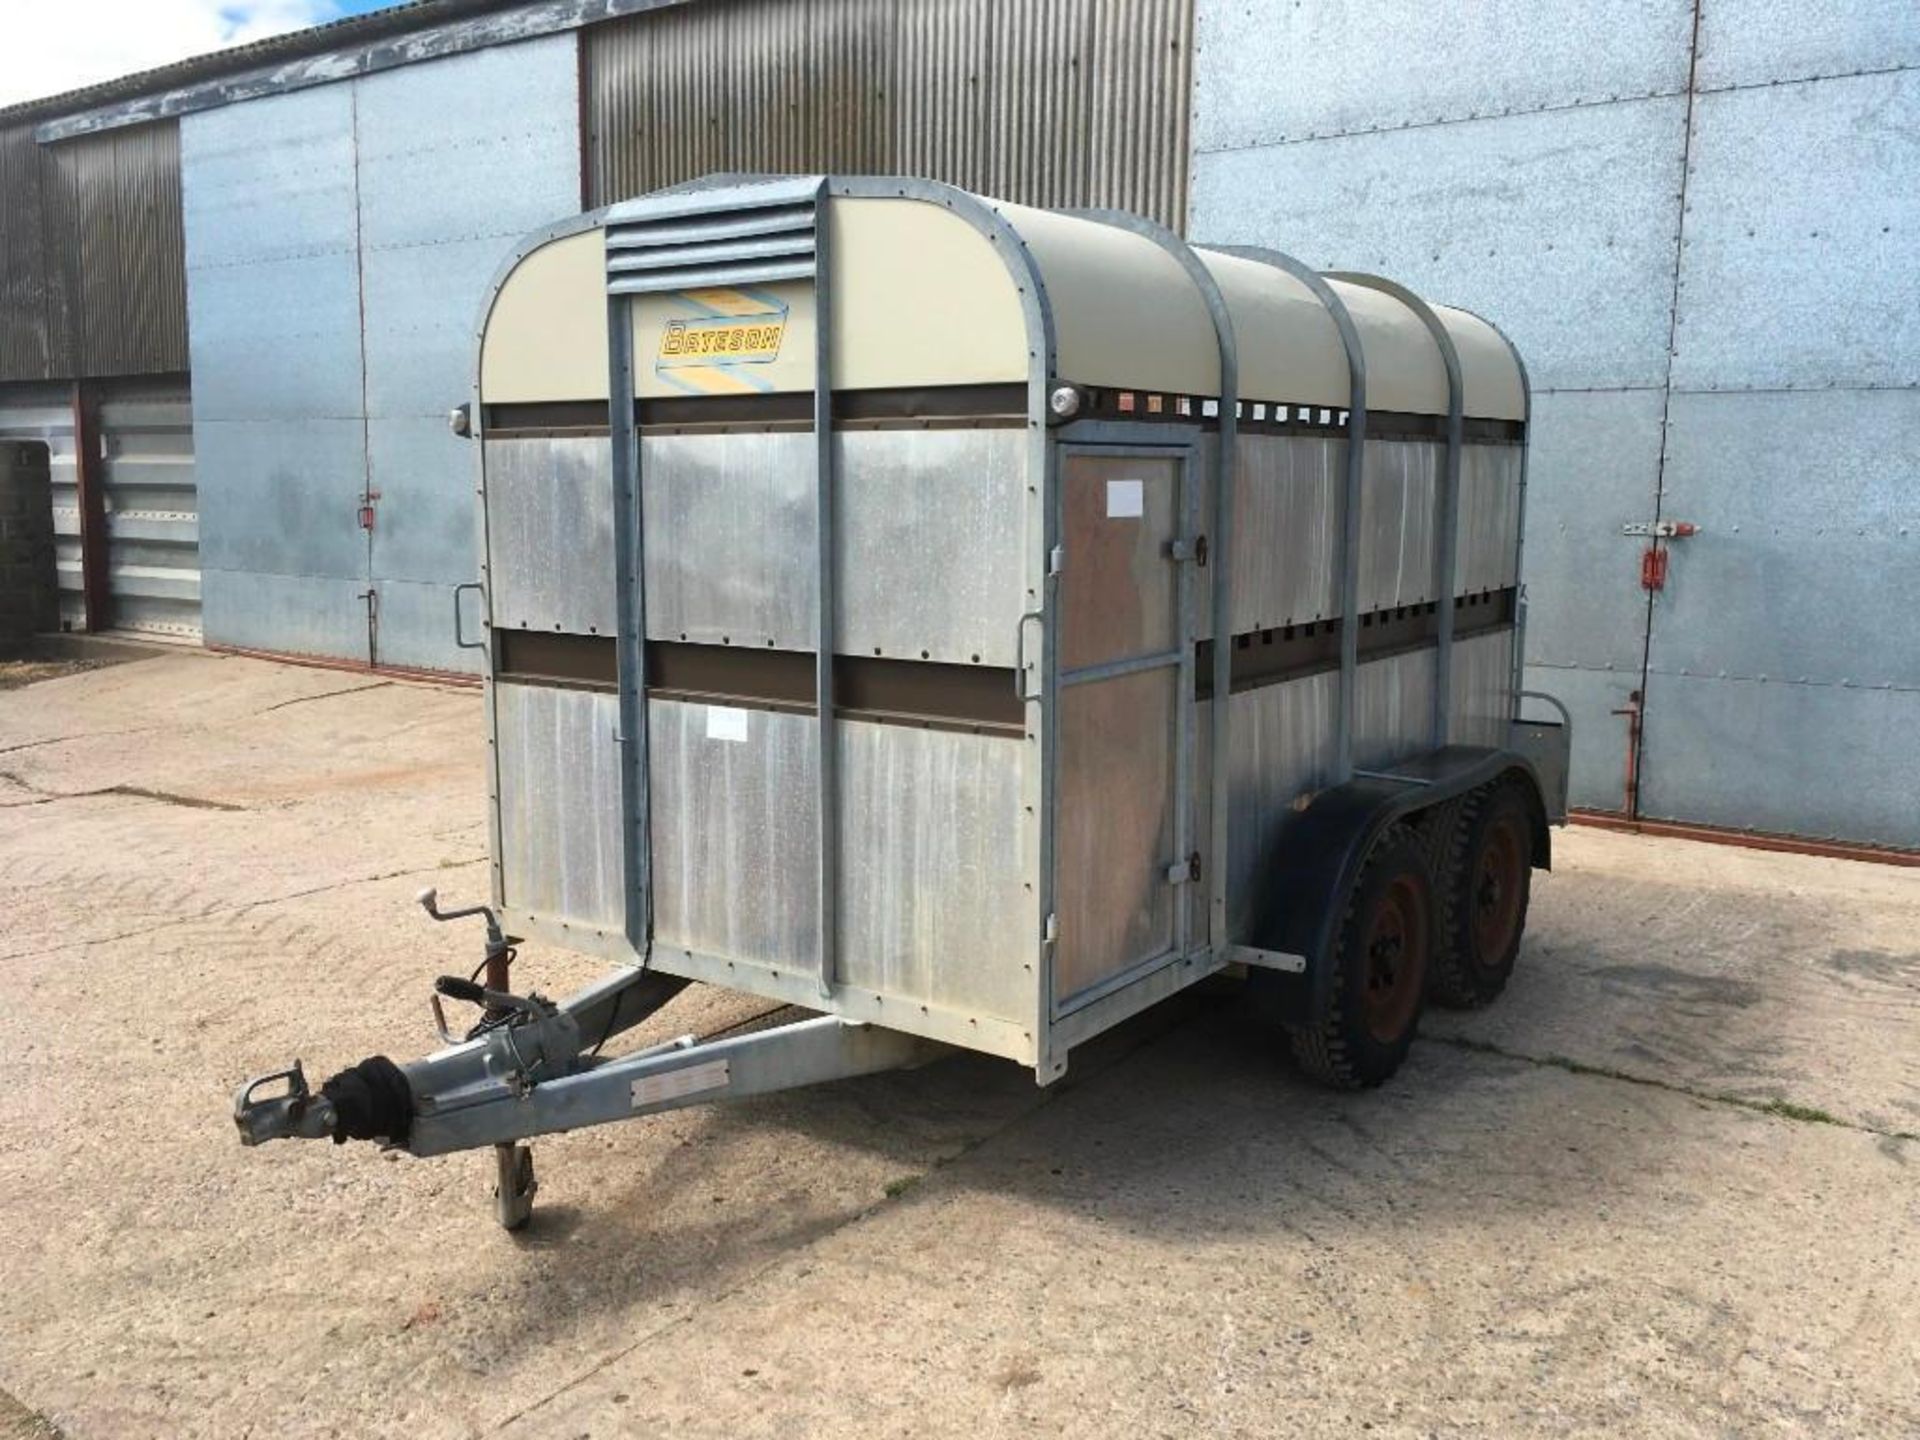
(1124, 853)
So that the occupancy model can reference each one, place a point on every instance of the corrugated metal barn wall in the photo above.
(1044, 102)
(1700, 222)
(94, 279)
(93, 289)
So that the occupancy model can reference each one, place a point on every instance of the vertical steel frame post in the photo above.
(630, 599)
(1446, 502)
(89, 488)
(1349, 541)
(1520, 518)
(827, 756)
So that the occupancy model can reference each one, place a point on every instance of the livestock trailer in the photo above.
(972, 624)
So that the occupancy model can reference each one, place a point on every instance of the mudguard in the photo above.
(1316, 854)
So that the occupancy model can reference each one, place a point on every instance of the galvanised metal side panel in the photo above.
(734, 832)
(456, 159)
(559, 831)
(1286, 511)
(932, 897)
(1393, 708)
(1399, 481)
(1816, 760)
(153, 526)
(425, 478)
(550, 527)
(1485, 551)
(1561, 224)
(1594, 468)
(1282, 750)
(473, 146)
(1803, 237)
(930, 527)
(1807, 564)
(420, 306)
(1272, 71)
(269, 179)
(44, 413)
(298, 614)
(1762, 42)
(1594, 700)
(273, 295)
(414, 626)
(728, 532)
(1481, 704)
(931, 535)
(280, 496)
(278, 340)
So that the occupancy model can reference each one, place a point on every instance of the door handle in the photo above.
(459, 629)
(1020, 652)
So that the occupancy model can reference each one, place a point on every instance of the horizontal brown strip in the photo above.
(1292, 652)
(903, 692)
(589, 661)
(919, 405)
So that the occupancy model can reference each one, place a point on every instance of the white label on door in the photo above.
(725, 722)
(1126, 499)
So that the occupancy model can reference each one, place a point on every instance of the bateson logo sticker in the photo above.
(713, 348)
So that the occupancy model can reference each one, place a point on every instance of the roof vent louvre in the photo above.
(698, 239)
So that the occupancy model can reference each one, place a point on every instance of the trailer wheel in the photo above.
(1379, 970)
(1483, 877)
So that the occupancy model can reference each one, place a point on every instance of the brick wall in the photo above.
(27, 601)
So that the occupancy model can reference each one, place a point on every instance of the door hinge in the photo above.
(1050, 932)
(1057, 560)
(366, 509)
(1185, 872)
(1182, 551)
(1661, 529)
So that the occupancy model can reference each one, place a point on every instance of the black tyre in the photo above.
(1380, 964)
(1483, 880)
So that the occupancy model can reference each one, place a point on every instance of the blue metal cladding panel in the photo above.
(286, 614)
(1801, 267)
(1560, 224)
(1797, 759)
(273, 300)
(1594, 469)
(1807, 565)
(281, 496)
(1763, 42)
(457, 160)
(339, 244)
(1784, 666)
(1274, 70)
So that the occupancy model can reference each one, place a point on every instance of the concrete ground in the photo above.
(1665, 1187)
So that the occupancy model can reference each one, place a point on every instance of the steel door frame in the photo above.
(1180, 658)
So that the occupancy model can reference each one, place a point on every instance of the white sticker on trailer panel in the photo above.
(678, 1084)
(726, 722)
(1126, 499)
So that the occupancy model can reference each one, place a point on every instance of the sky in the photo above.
(47, 46)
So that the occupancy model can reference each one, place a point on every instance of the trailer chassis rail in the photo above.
(531, 1067)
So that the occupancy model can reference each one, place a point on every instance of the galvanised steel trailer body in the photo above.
(864, 565)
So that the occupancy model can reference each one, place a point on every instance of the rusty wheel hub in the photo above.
(1396, 960)
(1497, 890)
